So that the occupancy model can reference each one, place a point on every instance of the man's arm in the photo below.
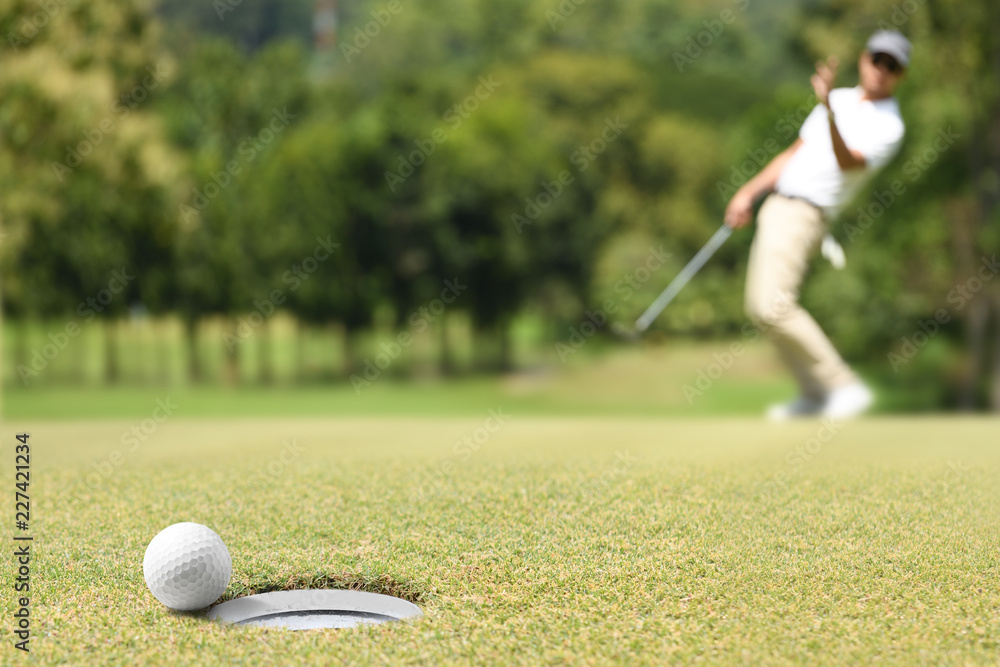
(822, 83)
(846, 158)
(739, 212)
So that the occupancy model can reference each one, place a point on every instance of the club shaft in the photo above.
(678, 283)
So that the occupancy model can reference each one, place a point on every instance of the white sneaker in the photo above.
(803, 406)
(848, 401)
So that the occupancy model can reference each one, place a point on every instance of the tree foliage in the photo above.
(543, 155)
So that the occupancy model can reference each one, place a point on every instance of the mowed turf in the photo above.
(547, 540)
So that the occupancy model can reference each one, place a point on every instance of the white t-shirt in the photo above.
(874, 128)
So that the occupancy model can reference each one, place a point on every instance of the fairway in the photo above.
(658, 332)
(531, 540)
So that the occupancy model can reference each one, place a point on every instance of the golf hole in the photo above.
(314, 610)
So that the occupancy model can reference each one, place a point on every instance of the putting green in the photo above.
(529, 539)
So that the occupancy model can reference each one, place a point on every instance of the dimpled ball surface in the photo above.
(187, 566)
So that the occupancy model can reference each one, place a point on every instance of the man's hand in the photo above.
(739, 212)
(822, 83)
(822, 80)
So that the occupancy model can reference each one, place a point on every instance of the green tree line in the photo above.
(536, 154)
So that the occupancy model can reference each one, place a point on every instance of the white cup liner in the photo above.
(314, 609)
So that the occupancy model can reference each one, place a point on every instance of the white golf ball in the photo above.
(187, 566)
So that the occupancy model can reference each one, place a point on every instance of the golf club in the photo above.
(678, 283)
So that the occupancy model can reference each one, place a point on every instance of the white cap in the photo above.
(892, 43)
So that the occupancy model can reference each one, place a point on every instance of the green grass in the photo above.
(603, 378)
(154, 350)
(580, 540)
(636, 381)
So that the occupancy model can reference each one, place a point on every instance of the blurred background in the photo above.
(320, 206)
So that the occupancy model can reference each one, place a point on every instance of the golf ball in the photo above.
(187, 566)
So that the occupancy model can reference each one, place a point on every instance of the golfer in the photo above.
(852, 133)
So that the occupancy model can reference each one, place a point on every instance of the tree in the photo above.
(84, 166)
(249, 24)
(228, 113)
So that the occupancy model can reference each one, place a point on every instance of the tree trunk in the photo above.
(79, 370)
(21, 344)
(348, 348)
(231, 369)
(132, 341)
(264, 354)
(977, 323)
(487, 346)
(161, 331)
(503, 332)
(191, 342)
(300, 354)
(446, 364)
(995, 380)
(479, 346)
(112, 371)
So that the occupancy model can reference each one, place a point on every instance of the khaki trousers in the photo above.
(789, 232)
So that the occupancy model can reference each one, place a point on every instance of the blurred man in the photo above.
(852, 133)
